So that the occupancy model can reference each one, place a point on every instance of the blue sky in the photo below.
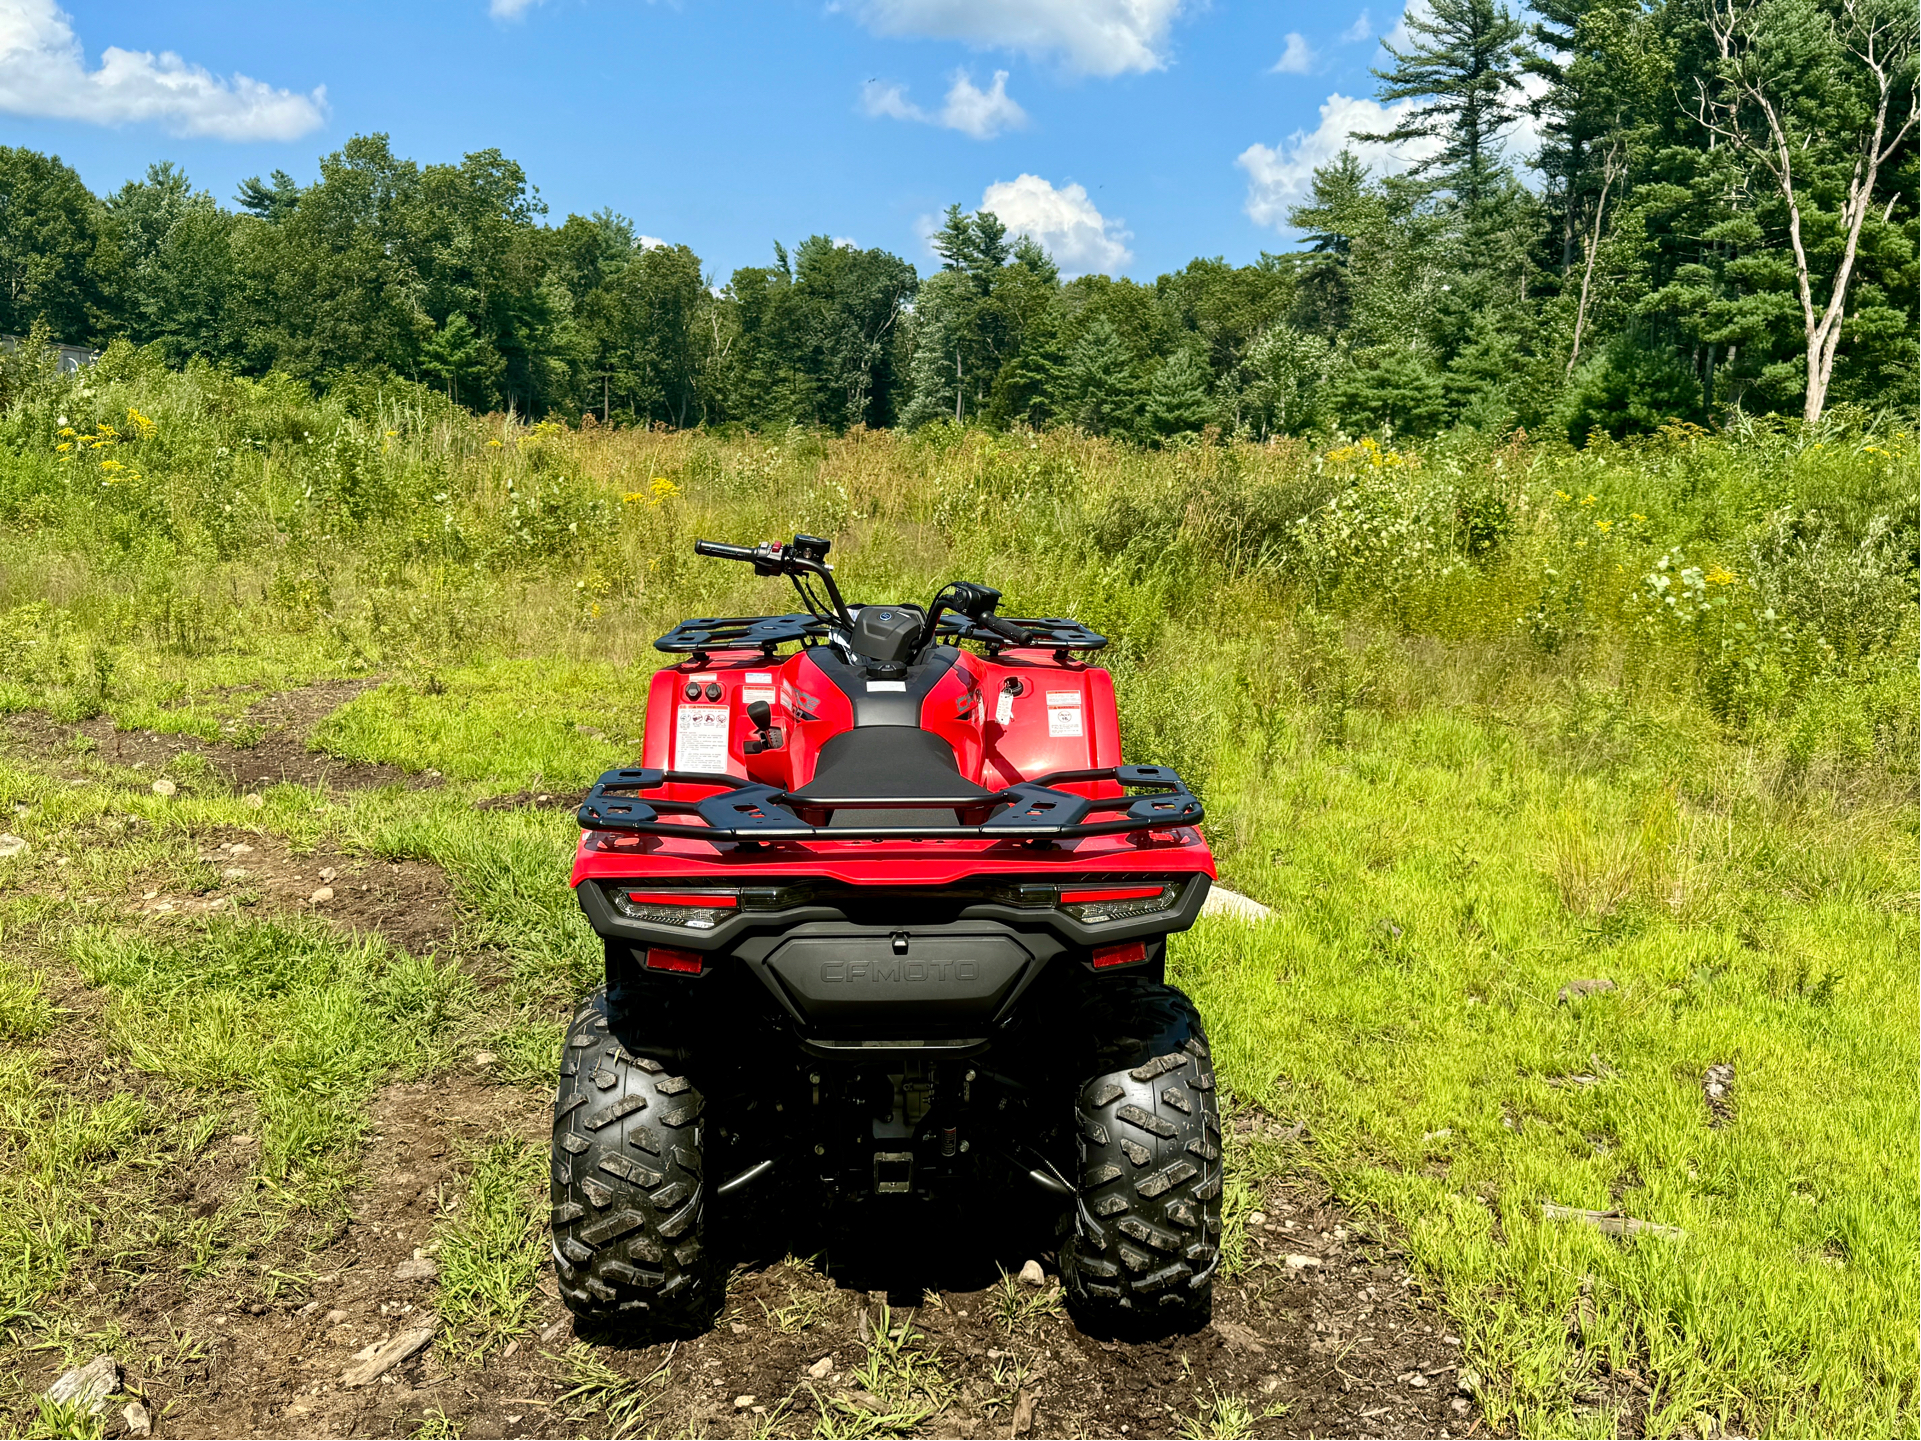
(1127, 135)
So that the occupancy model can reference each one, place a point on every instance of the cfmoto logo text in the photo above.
(900, 971)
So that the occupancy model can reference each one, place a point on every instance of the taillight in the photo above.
(1127, 953)
(666, 958)
(1115, 903)
(1089, 900)
(720, 900)
(698, 909)
(689, 910)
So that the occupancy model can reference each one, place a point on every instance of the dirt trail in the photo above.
(408, 902)
(1338, 1349)
(278, 756)
(1321, 1334)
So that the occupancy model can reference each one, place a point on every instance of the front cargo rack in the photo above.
(1053, 633)
(741, 632)
(748, 812)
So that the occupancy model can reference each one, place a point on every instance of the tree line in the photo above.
(1722, 213)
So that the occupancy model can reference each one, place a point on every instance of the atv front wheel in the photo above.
(627, 1195)
(1147, 1216)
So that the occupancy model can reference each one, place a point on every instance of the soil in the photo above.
(1343, 1348)
(279, 756)
(1324, 1332)
(409, 903)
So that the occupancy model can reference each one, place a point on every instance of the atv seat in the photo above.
(890, 763)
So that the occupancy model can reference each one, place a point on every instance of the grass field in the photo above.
(1477, 722)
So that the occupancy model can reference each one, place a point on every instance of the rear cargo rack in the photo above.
(747, 811)
(769, 632)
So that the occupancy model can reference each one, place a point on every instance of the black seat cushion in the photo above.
(888, 763)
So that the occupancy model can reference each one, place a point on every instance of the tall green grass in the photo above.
(1476, 721)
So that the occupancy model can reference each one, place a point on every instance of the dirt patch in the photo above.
(277, 755)
(271, 1365)
(409, 902)
(1345, 1347)
(533, 801)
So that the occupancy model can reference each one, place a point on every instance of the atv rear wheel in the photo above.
(1147, 1216)
(627, 1196)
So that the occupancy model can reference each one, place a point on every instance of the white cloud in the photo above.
(1297, 59)
(1064, 221)
(1361, 29)
(846, 242)
(509, 9)
(877, 100)
(1098, 37)
(1278, 177)
(43, 72)
(649, 242)
(982, 114)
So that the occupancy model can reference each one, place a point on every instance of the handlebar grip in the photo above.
(1006, 630)
(723, 552)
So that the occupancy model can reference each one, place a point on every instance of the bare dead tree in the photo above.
(1611, 169)
(1750, 107)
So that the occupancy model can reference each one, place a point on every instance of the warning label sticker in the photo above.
(758, 677)
(750, 694)
(1064, 720)
(1004, 709)
(1063, 697)
(700, 739)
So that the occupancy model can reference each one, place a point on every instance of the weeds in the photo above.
(437, 1425)
(490, 1244)
(68, 1420)
(597, 1390)
(900, 1385)
(1020, 1308)
(1223, 1417)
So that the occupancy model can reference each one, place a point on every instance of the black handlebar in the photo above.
(805, 560)
(1006, 630)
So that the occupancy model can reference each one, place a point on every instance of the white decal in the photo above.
(1063, 697)
(1004, 709)
(897, 685)
(758, 677)
(700, 739)
(1064, 720)
(748, 695)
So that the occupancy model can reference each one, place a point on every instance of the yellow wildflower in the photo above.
(633, 497)
(663, 489)
(64, 445)
(1638, 516)
(1562, 495)
(111, 465)
(1604, 526)
(1718, 576)
(494, 444)
(1588, 501)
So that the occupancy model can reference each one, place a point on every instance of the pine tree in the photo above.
(1464, 63)
(1178, 402)
(1102, 385)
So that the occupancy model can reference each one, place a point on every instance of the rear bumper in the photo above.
(906, 908)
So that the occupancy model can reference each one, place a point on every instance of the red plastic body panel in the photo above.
(1060, 716)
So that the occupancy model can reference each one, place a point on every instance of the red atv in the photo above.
(886, 918)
